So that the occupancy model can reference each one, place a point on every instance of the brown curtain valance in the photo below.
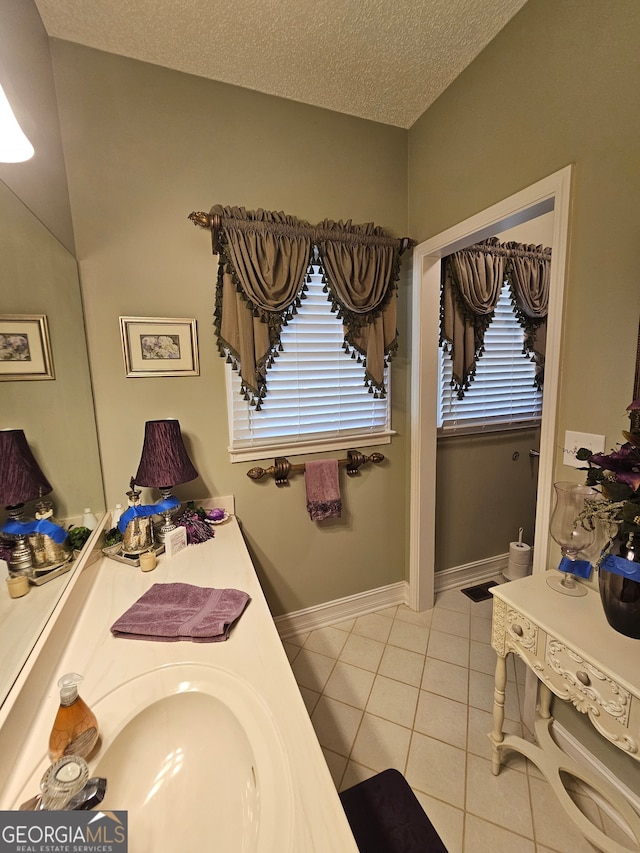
(472, 280)
(264, 258)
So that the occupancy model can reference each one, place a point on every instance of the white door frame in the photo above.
(551, 193)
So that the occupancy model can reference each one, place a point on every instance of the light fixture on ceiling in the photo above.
(14, 145)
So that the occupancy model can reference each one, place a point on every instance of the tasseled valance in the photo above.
(264, 259)
(472, 280)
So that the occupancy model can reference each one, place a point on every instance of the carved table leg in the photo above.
(497, 735)
(544, 704)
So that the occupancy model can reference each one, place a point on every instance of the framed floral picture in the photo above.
(25, 347)
(159, 346)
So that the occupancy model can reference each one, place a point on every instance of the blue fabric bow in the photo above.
(145, 511)
(620, 566)
(580, 568)
(42, 525)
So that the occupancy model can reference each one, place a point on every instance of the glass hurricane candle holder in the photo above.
(570, 534)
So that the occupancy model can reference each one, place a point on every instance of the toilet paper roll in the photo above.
(519, 561)
(519, 552)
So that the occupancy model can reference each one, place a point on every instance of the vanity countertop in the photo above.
(253, 651)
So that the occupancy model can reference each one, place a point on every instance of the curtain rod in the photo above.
(315, 233)
(282, 468)
(518, 250)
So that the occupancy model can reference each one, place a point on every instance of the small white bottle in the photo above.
(89, 520)
(115, 516)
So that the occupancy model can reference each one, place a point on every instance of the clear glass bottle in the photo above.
(75, 730)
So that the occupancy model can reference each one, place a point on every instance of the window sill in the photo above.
(298, 448)
(486, 429)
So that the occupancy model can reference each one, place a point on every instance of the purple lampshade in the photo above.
(164, 461)
(20, 476)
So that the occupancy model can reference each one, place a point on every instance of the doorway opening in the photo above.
(549, 194)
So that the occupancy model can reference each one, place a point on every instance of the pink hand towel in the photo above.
(323, 489)
(179, 611)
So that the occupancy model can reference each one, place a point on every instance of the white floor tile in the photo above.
(402, 664)
(335, 724)
(437, 769)
(482, 658)
(374, 626)
(414, 691)
(446, 679)
(393, 700)
(409, 636)
(349, 684)
(362, 652)
(327, 641)
(501, 799)
(480, 629)
(483, 837)
(453, 599)
(451, 622)
(442, 718)
(312, 670)
(381, 744)
(449, 648)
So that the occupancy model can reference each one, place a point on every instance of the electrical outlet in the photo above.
(573, 441)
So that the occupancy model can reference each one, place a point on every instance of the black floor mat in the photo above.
(479, 592)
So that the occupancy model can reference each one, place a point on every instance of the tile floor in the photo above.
(414, 691)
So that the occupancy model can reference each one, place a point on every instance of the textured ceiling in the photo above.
(385, 60)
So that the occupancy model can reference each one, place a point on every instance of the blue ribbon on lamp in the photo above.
(145, 511)
(42, 525)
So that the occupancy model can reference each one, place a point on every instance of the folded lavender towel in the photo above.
(180, 611)
(323, 489)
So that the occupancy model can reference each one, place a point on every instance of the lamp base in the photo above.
(566, 584)
(21, 561)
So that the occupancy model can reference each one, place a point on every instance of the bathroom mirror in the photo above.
(39, 276)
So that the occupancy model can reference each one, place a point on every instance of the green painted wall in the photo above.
(145, 146)
(558, 85)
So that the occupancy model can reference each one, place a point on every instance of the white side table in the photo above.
(579, 658)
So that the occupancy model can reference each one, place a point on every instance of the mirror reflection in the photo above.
(40, 277)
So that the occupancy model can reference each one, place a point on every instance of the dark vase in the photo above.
(620, 595)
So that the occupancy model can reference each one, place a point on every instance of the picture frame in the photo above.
(159, 346)
(25, 347)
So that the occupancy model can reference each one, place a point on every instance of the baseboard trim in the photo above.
(471, 573)
(350, 607)
(322, 615)
(578, 751)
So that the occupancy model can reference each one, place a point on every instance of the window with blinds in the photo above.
(503, 394)
(316, 399)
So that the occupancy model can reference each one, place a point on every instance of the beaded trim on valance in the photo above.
(264, 261)
(472, 280)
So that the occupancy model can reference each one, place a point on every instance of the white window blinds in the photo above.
(317, 397)
(503, 394)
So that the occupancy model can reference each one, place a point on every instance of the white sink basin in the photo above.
(193, 756)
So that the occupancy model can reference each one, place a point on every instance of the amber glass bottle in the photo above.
(75, 730)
